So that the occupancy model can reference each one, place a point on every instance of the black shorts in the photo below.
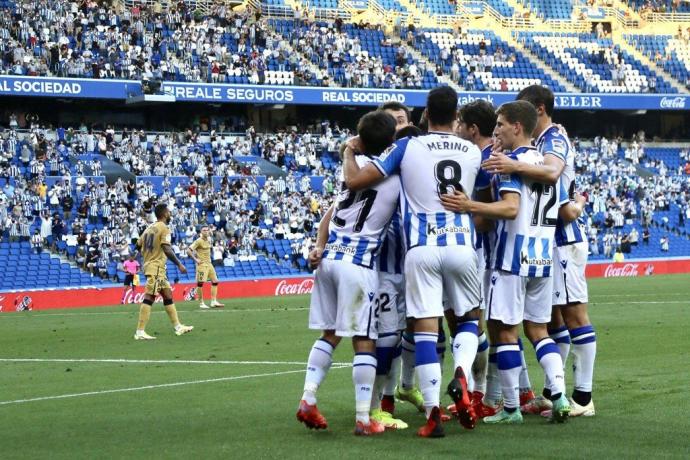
(129, 280)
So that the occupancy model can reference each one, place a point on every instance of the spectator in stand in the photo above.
(37, 242)
(664, 242)
(618, 257)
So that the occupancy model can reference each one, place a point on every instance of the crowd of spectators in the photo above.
(622, 202)
(350, 63)
(95, 223)
(92, 39)
(659, 6)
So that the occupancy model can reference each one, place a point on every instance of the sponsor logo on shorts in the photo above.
(337, 247)
(538, 261)
(564, 264)
(436, 231)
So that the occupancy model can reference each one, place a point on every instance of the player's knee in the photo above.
(330, 337)
(535, 331)
(575, 315)
(363, 344)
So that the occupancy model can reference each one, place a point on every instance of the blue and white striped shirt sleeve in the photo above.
(556, 145)
(510, 183)
(389, 161)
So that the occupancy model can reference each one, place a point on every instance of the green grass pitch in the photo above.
(74, 384)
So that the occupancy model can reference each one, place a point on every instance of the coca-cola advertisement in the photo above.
(625, 270)
(267, 287)
(97, 297)
(286, 287)
(637, 268)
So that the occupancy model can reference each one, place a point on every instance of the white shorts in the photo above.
(434, 273)
(482, 275)
(569, 282)
(343, 299)
(391, 303)
(514, 298)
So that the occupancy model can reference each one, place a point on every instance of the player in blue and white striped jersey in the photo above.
(570, 320)
(521, 262)
(346, 281)
(440, 258)
(390, 300)
(476, 123)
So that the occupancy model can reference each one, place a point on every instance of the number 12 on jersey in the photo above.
(547, 217)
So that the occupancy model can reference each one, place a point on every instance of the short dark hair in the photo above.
(521, 112)
(538, 95)
(376, 131)
(480, 113)
(408, 131)
(396, 106)
(160, 209)
(441, 105)
(423, 124)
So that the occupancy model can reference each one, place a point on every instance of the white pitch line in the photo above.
(685, 302)
(205, 312)
(149, 387)
(152, 361)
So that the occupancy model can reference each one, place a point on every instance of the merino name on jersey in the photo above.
(360, 220)
(430, 166)
(554, 141)
(524, 245)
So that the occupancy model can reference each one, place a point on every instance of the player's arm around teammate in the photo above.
(321, 239)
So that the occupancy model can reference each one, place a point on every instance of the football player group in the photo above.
(473, 217)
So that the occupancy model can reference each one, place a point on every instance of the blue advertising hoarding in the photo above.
(295, 95)
(68, 87)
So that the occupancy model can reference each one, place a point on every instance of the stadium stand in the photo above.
(227, 47)
(264, 193)
(484, 55)
(668, 52)
(357, 56)
(593, 64)
(551, 9)
(660, 6)
(262, 225)
(502, 7)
